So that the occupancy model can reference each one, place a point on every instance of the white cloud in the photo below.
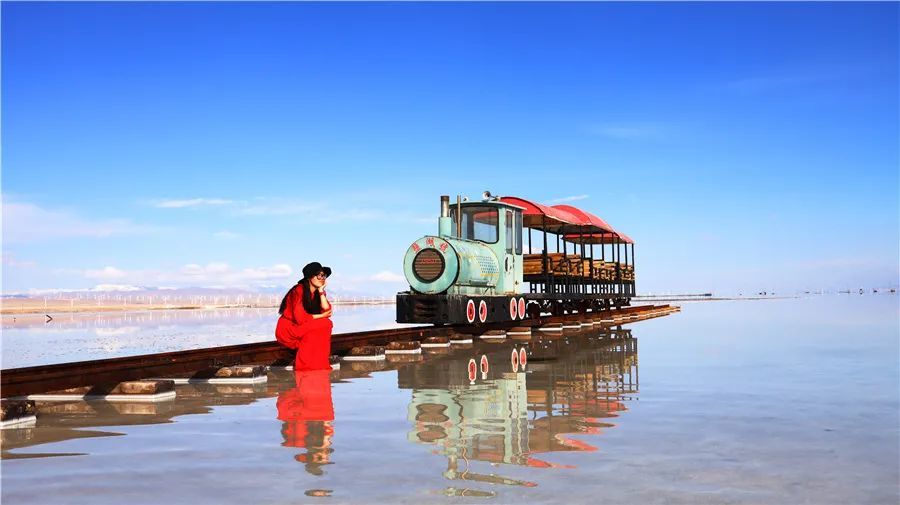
(192, 203)
(310, 211)
(26, 222)
(114, 287)
(569, 198)
(195, 270)
(387, 276)
(278, 207)
(190, 275)
(222, 274)
(266, 273)
(105, 273)
(316, 212)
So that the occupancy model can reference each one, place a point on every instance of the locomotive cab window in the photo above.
(510, 238)
(478, 223)
(518, 232)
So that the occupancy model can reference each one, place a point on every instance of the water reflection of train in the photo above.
(567, 388)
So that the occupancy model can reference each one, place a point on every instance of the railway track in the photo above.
(45, 378)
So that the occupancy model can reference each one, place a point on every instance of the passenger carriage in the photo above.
(504, 259)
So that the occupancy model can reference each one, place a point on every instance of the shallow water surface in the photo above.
(31, 339)
(787, 401)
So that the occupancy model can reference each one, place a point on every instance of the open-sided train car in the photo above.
(480, 268)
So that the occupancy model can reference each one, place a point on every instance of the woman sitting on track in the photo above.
(305, 322)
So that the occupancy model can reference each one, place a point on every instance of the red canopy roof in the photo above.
(597, 222)
(576, 224)
(536, 215)
(597, 238)
(586, 217)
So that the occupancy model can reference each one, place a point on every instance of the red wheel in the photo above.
(522, 308)
(470, 311)
(485, 366)
(473, 369)
(514, 360)
(513, 309)
(482, 311)
(523, 358)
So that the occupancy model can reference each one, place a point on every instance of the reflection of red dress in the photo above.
(310, 400)
(297, 329)
(307, 412)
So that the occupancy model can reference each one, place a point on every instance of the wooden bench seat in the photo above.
(575, 265)
(557, 263)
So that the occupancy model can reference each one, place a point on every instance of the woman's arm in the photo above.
(326, 305)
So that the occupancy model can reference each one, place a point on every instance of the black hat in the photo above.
(311, 270)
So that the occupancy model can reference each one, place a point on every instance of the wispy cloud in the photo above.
(25, 222)
(573, 198)
(106, 273)
(192, 274)
(192, 203)
(310, 211)
(279, 207)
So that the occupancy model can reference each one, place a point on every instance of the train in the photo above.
(485, 265)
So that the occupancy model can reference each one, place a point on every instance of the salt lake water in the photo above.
(29, 340)
(772, 401)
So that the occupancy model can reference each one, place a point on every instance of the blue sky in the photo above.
(743, 146)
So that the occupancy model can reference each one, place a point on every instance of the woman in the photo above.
(305, 322)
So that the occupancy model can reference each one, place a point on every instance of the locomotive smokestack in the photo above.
(444, 225)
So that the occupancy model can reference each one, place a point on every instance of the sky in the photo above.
(743, 146)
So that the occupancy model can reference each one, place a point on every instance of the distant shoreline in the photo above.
(58, 308)
(35, 306)
(708, 298)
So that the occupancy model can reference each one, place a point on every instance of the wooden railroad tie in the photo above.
(238, 374)
(17, 413)
(403, 347)
(365, 353)
(153, 390)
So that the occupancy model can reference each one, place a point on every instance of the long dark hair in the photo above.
(312, 304)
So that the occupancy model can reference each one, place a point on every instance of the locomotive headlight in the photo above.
(431, 265)
(428, 265)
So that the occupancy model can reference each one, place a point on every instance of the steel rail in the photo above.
(44, 378)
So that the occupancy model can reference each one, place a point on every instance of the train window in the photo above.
(478, 223)
(509, 232)
(518, 232)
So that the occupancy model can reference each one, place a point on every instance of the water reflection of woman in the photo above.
(308, 412)
(305, 322)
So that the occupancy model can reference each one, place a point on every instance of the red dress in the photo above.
(297, 329)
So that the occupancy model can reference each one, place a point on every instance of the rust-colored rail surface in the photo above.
(44, 378)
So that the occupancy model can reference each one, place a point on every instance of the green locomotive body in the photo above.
(473, 270)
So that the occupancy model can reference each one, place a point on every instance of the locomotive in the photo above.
(478, 269)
